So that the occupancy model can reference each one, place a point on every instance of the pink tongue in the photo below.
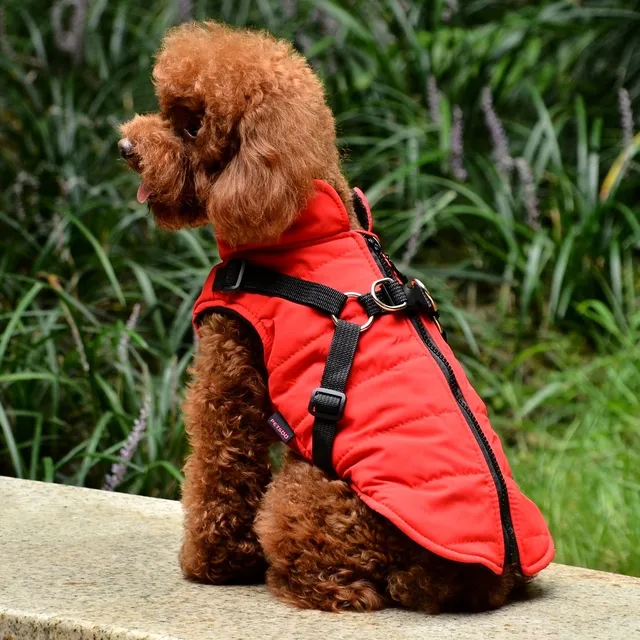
(143, 193)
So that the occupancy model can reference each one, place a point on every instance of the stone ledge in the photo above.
(78, 564)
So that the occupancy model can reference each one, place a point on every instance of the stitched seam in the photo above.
(452, 542)
(323, 186)
(257, 320)
(295, 246)
(328, 261)
(228, 300)
(448, 474)
(349, 387)
(212, 305)
(371, 436)
(224, 304)
(275, 367)
(386, 371)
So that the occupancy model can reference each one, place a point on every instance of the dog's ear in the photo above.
(280, 144)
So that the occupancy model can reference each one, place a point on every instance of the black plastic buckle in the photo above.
(324, 411)
(238, 282)
(419, 299)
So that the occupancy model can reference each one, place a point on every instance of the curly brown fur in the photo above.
(242, 132)
(327, 550)
(228, 469)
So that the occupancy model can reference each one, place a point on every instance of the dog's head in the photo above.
(242, 131)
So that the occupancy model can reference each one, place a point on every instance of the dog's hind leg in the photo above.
(228, 469)
(327, 550)
(324, 546)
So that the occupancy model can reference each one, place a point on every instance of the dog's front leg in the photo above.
(228, 469)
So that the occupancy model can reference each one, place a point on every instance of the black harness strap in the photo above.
(240, 275)
(328, 400)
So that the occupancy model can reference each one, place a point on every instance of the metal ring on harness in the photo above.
(367, 324)
(382, 305)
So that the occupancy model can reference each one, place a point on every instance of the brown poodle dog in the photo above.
(243, 130)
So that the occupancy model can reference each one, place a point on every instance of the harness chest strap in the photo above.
(327, 402)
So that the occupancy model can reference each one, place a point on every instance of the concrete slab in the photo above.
(78, 564)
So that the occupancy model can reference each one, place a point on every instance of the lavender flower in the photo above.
(457, 145)
(449, 10)
(499, 138)
(71, 40)
(626, 117)
(289, 9)
(119, 469)
(433, 98)
(530, 195)
(123, 345)
(185, 7)
(327, 23)
(414, 239)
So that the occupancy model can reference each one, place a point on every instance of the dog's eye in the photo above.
(192, 132)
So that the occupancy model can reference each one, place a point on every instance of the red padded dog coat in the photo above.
(406, 429)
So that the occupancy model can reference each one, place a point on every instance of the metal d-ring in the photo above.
(366, 325)
(382, 305)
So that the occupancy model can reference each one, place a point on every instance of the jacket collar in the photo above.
(324, 216)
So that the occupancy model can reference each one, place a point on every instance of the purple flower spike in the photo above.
(499, 138)
(119, 469)
(457, 145)
(626, 117)
(433, 98)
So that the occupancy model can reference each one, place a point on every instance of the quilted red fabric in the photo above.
(403, 444)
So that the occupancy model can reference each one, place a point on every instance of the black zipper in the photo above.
(511, 548)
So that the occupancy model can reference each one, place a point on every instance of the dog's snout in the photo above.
(126, 147)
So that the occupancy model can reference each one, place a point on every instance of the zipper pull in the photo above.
(375, 245)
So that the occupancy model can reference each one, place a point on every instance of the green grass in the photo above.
(546, 318)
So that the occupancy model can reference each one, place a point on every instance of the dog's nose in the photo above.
(126, 147)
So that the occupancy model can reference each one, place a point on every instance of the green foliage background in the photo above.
(543, 308)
